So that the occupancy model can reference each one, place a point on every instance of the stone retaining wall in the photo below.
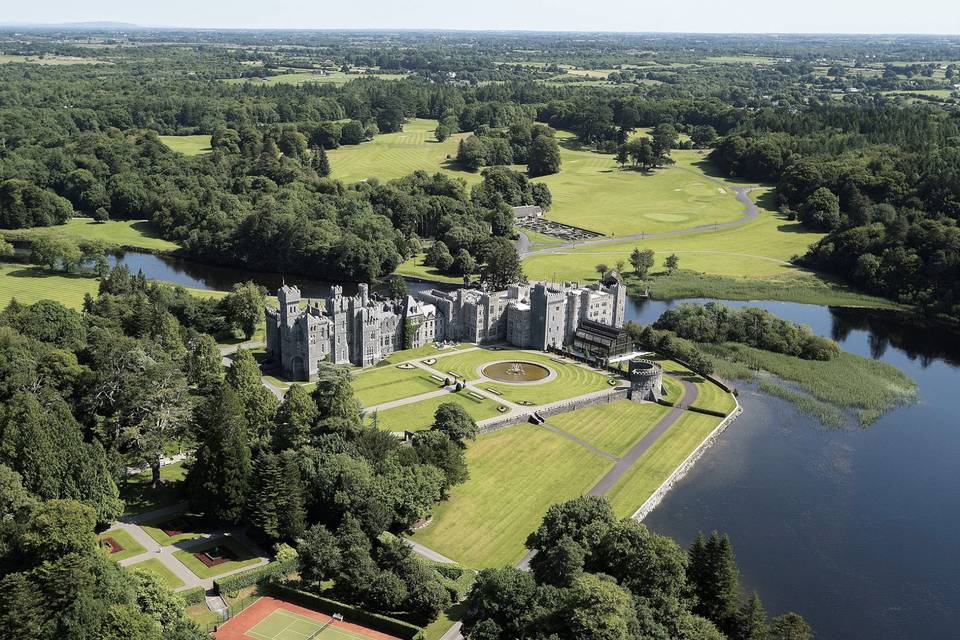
(495, 424)
(657, 496)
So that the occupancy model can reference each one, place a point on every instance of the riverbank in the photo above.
(800, 286)
(117, 235)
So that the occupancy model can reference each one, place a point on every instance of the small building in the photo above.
(601, 341)
(528, 211)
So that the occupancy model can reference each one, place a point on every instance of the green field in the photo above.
(592, 192)
(572, 379)
(244, 558)
(709, 395)
(29, 284)
(333, 77)
(757, 249)
(384, 384)
(613, 427)
(515, 475)
(415, 268)
(138, 496)
(130, 546)
(118, 233)
(394, 155)
(48, 60)
(659, 461)
(281, 624)
(158, 569)
(417, 416)
(188, 145)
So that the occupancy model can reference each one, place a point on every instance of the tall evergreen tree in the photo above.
(752, 621)
(266, 495)
(259, 404)
(714, 576)
(320, 162)
(294, 420)
(218, 480)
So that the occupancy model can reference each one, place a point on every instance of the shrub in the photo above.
(273, 570)
(193, 596)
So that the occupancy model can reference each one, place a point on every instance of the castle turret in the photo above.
(289, 298)
(646, 380)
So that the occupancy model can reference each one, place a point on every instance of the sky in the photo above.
(697, 16)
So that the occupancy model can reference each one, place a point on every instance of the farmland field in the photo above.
(515, 475)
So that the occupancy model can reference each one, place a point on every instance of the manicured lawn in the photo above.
(613, 427)
(758, 249)
(515, 475)
(572, 380)
(415, 268)
(29, 284)
(191, 526)
(709, 395)
(659, 461)
(138, 496)
(426, 351)
(417, 416)
(120, 233)
(383, 384)
(672, 390)
(591, 191)
(394, 155)
(188, 145)
(157, 568)
(130, 546)
(243, 558)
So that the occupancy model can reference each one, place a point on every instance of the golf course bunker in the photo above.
(517, 371)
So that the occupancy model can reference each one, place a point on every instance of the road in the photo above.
(750, 212)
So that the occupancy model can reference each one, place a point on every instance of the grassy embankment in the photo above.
(659, 461)
(867, 387)
(193, 145)
(417, 416)
(612, 427)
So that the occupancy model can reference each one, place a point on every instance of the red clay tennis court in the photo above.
(272, 619)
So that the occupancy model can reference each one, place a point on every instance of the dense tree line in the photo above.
(596, 577)
(716, 323)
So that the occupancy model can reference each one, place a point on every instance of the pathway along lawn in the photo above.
(659, 461)
(383, 384)
(116, 233)
(572, 380)
(418, 416)
(515, 475)
(158, 569)
(613, 427)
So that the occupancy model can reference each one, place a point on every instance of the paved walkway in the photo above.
(164, 553)
(428, 553)
(750, 212)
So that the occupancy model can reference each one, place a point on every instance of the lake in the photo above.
(856, 529)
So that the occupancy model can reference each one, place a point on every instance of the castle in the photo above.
(362, 330)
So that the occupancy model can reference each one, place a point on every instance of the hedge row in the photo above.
(709, 412)
(193, 596)
(665, 403)
(275, 569)
(350, 612)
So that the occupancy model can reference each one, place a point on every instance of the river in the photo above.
(856, 529)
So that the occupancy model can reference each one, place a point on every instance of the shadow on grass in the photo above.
(147, 229)
(37, 272)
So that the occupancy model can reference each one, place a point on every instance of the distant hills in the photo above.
(72, 25)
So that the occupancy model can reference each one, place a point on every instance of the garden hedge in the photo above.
(275, 569)
(350, 612)
(709, 412)
(192, 596)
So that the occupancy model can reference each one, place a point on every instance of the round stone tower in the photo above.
(646, 380)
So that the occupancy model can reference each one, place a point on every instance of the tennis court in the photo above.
(274, 619)
(287, 625)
